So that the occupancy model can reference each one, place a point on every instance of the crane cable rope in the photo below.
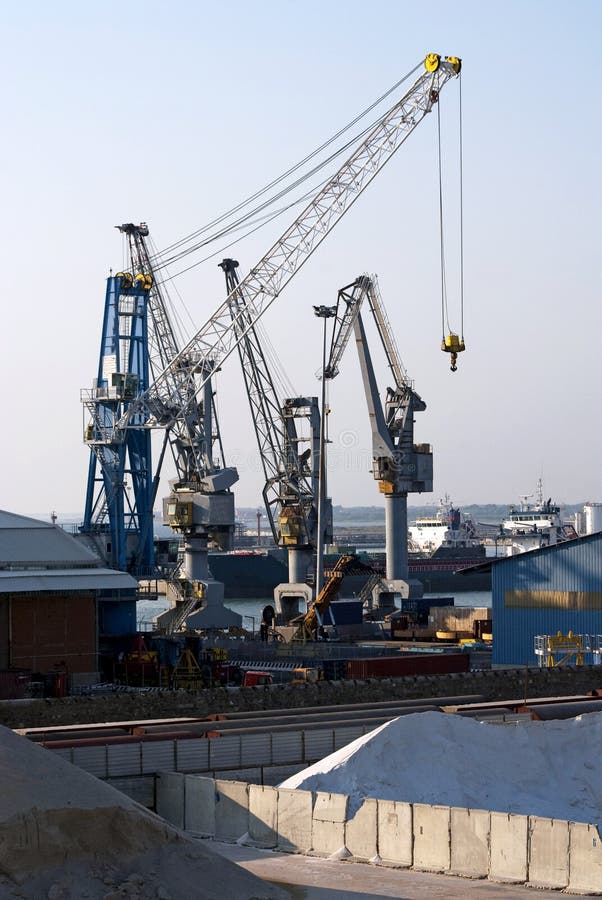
(159, 258)
(444, 297)
(261, 221)
(183, 332)
(461, 216)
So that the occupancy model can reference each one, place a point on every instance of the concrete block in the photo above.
(263, 815)
(231, 810)
(328, 823)
(170, 797)
(294, 820)
(395, 833)
(274, 775)
(508, 847)
(199, 808)
(548, 853)
(431, 837)
(469, 830)
(330, 807)
(141, 789)
(361, 831)
(251, 776)
(585, 859)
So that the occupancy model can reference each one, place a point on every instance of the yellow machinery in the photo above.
(306, 676)
(187, 673)
(314, 617)
(567, 646)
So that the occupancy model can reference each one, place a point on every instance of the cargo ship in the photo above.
(255, 573)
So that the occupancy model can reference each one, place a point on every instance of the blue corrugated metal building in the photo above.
(542, 592)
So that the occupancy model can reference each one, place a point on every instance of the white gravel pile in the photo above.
(65, 835)
(549, 769)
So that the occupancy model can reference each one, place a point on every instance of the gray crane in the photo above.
(398, 464)
(167, 400)
(291, 473)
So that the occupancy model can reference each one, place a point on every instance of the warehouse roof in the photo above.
(40, 556)
(65, 580)
(30, 542)
(552, 548)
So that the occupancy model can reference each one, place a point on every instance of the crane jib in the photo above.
(219, 336)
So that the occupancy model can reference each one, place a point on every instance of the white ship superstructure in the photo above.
(448, 527)
(532, 525)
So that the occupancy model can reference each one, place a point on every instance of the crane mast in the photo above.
(117, 521)
(291, 474)
(138, 338)
(399, 465)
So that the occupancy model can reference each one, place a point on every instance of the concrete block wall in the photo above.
(475, 843)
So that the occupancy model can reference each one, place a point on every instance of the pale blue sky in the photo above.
(172, 112)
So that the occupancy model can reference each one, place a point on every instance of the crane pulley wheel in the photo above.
(431, 62)
(455, 63)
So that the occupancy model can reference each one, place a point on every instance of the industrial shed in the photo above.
(56, 599)
(542, 592)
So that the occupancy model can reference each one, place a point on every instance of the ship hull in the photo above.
(251, 575)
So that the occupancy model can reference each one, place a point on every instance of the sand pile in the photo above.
(65, 835)
(549, 769)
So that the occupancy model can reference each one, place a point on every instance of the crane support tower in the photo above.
(291, 470)
(138, 343)
(398, 464)
(119, 522)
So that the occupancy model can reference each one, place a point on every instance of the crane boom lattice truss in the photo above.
(289, 492)
(219, 336)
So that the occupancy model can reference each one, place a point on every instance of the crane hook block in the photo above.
(431, 63)
(453, 344)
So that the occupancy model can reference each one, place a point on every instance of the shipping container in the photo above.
(412, 664)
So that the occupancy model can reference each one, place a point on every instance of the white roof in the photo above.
(65, 580)
(40, 556)
(25, 541)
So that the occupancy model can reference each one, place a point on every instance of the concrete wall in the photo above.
(266, 759)
(492, 685)
(502, 847)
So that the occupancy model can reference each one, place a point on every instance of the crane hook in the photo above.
(453, 344)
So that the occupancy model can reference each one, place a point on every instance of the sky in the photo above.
(170, 113)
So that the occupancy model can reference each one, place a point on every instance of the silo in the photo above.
(593, 517)
(579, 520)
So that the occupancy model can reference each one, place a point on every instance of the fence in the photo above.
(474, 843)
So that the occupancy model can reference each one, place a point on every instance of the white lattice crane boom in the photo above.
(219, 336)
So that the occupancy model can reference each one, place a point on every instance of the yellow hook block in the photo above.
(453, 344)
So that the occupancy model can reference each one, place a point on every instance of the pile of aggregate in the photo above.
(65, 835)
(550, 769)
